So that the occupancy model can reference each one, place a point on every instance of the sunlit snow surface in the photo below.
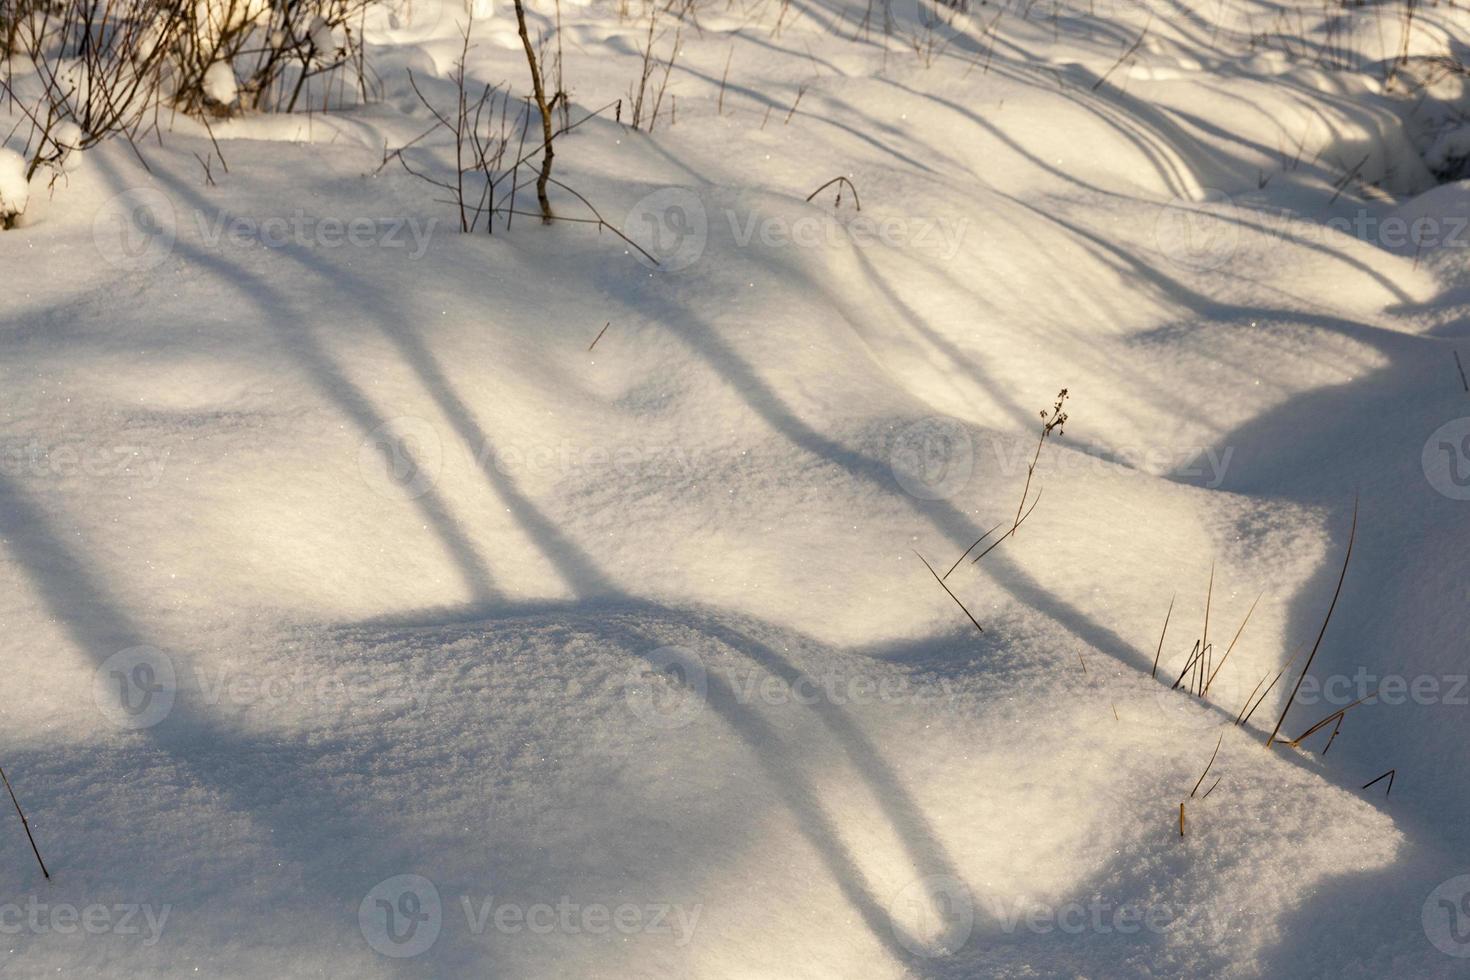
(358, 620)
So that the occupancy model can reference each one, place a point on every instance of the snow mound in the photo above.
(14, 189)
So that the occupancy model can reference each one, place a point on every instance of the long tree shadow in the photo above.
(271, 779)
(582, 574)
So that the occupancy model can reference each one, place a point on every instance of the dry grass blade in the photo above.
(1194, 655)
(1204, 638)
(1251, 695)
(1389, 774)
(1208, 766)
(951, 594)
(1155, 671)
(1055, 419)
(1209, 599)
(1347, 557)
(24, 823)
(599, 335)
(970, 549)
(1233, 641)
(1274, 681)
(1014, 527)
(1335, 716)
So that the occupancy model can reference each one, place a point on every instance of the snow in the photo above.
(452, 647)
(14, 188)
(219, 83)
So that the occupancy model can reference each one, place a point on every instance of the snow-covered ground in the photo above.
(358, 619)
